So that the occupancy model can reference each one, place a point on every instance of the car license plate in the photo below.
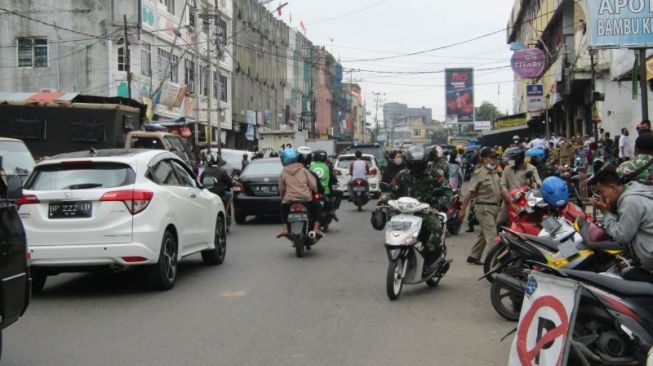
(359, 189)
(67, 210)
(298, 217)
(266, 189)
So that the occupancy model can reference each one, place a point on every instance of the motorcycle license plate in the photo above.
(359, 189)
(298, 217)
(400, 225)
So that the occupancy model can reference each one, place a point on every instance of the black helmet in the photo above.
(305, 155)
(320, 155)
(514, 153)
(378, 219)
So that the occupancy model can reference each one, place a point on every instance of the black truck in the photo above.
(84, 122)
(15, 281)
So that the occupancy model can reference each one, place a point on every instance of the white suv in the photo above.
(342, 171)
(118, 209)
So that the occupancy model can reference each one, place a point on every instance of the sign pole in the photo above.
(643, 82)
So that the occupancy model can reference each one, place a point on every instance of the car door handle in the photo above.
(193, 195)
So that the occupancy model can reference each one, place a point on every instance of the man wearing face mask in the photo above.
(396, 165)
(485, 188)
(517, 174)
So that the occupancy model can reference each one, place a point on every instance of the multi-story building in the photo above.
(81, 47)
(395, 114)
(558, 28)
(353, 124)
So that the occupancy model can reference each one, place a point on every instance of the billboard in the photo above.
(459, 89)
(620, 23)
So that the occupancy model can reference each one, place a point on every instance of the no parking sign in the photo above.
(546, 322)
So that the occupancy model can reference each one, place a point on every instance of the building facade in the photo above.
(81, 48)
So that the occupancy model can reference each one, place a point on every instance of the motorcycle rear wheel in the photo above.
(300, 249)
(394, 281)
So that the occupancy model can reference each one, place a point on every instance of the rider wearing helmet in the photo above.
(223, 186)
(537, 156)
(358, 169)
(419, 182)
(326, 177)
(296, 183)
(555, 192)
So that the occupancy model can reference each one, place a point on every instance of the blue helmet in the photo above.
(555, 192)
(536, 154)
(289, 156)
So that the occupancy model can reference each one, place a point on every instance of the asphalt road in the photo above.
(264, 306)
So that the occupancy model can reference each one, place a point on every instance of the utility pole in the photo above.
(643, 82)
(127, 58)
(378, 99)
(208, 84)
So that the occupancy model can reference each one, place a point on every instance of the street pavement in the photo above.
(264, 306)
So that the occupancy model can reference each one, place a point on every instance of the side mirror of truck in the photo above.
(14, 188)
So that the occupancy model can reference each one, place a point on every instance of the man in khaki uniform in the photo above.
(485, 188)
(566, 152)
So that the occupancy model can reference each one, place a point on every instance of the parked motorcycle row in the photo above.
(614, 321)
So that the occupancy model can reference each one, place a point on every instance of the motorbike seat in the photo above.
(595, 238)
(546, 242)
(616, 285)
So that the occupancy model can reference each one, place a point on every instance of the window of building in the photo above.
(163, 59)
(223, 88)
(174, 69)
(417, 132)
(221, 29)
(189, 75)
(170, 5)
(146, 59)
(32, 52)
(204, 81)
(191, 16)
(122, 59)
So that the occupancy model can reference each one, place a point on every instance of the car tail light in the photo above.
(238, 187)
(373, 171)
(297, 208)
(134, 259)
(27, 199)
(135, 200)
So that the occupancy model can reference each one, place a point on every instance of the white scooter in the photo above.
(404, 239)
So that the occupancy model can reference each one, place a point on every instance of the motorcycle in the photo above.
(300, 233)
(594, 252)
(614, 321)
(532, 217)
(404, 243)
(454, 223)
(360, 193)
(324, 216)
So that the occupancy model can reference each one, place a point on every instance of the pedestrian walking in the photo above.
(625, 148)
(485, 188)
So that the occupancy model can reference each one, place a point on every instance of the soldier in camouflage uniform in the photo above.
(641, 161)
(420, 181)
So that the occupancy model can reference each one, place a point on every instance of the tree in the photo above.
(487, 112)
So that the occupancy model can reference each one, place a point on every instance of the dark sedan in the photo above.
(256, 191)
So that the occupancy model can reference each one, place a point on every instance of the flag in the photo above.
(279, 10)
(302, 26)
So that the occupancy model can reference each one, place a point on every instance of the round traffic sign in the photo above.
(526, 355)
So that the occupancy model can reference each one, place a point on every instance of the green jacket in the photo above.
(421, 187)
(322, 171)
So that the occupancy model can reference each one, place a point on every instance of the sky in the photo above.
(355, 31)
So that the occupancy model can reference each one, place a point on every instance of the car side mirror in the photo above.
(14, 188)
(209, 182)
(385, 187)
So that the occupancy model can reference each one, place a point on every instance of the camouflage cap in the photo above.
(632, 166)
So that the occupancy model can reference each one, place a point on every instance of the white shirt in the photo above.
(625, 148)
(359, 169)
(538, 142)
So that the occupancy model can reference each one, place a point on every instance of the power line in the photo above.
(348, 14)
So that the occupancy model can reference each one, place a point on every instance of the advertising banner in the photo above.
(620, 23)
(535, 97)
(482, 125)
(459, 84)
(528, 63)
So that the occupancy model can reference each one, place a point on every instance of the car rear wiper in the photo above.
(84, 186)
